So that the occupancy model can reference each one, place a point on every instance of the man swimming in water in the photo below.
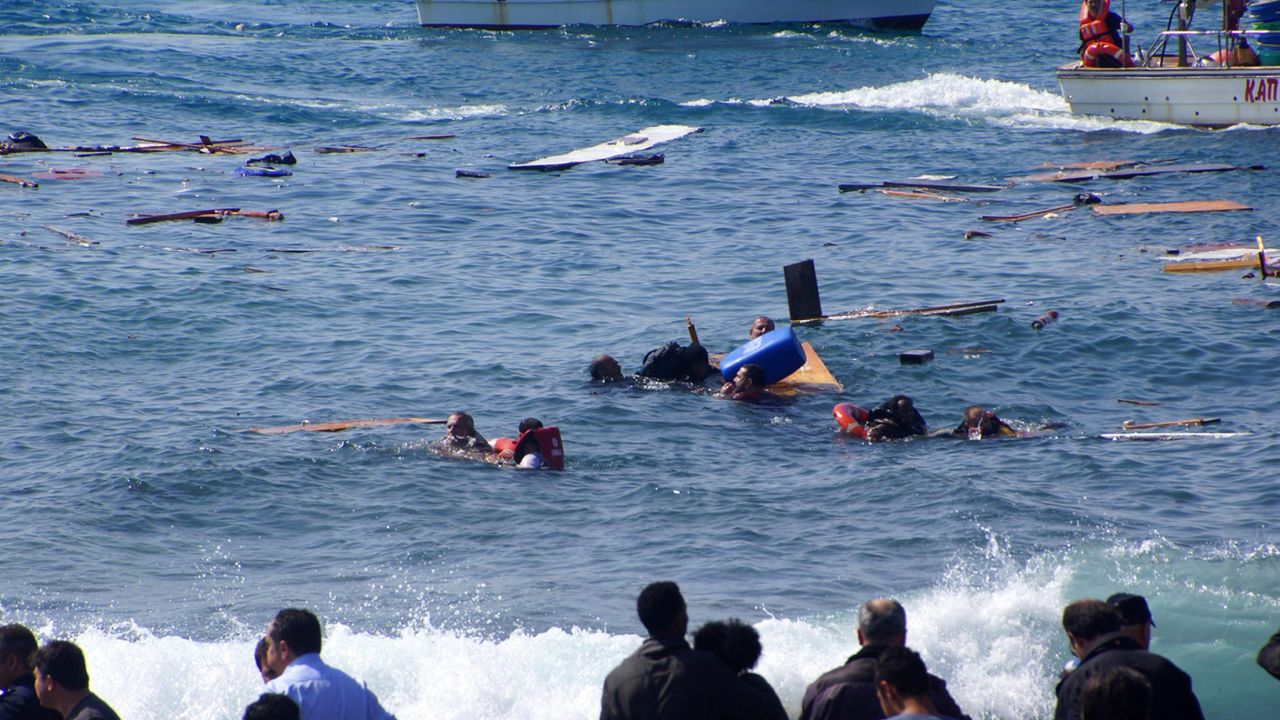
(747, 385)
(761, 325)
(604, 369)
(460, 434)
(980, 423)
(894, 419)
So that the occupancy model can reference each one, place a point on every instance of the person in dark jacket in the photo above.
(894, 419)
(665, 679)
(1269, 656)
(62, 683)
(738, 646)
(849, 691)
(18, 699)
(1093, 630)
(1116, 694)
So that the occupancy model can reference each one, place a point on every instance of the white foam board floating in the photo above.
(626, 145)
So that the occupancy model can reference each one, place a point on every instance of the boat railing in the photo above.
(1224, 42)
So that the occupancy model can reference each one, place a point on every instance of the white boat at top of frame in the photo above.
(511, 14)
(1179, 87)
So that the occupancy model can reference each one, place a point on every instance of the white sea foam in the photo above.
(1000, 102)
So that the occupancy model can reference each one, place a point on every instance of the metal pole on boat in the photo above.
(1182, 27)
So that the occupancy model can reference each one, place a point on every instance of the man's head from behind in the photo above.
(605, 369)
(662, 610)
(696, 363)
(900, 677)
(1088, 621)
(1135, 617)
(292, 633)
(1116, 693)
(60, 671)
(882, 621)
(736, 643)
(17, 644)
(270, 706)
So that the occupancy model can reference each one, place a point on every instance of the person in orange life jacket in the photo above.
(1101, 43)
(533, 459)
(747, 385)
(980, 423)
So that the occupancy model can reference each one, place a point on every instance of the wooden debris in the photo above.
(1145, 403)
(971, 234)
(1132, 172)
(330, 149)
(235, 146)
(1028, 215)
(915, 357)
(340, 425)
(1131, 425)
(67, 174)
(431, 137)
(464, 173)
(1189, 206)
(210, 213)
(19, 181)
(71, 237)
(957, 309)
(918, 195)
(922, 184)
(1268, 304)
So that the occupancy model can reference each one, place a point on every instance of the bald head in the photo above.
(882, 621)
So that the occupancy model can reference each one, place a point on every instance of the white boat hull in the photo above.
(885, 14)
(1214, 97)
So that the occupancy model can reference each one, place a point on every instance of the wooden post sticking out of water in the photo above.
(802, 291)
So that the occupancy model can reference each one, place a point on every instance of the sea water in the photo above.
(143, 524)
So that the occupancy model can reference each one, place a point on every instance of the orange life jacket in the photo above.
(1094, 27)
(546, 441)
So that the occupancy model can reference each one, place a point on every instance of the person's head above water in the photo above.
(696, 365)
(605, 369)
(528, 424)
(761, 325)
(460, 424)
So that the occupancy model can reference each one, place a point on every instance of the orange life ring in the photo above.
(851, 419)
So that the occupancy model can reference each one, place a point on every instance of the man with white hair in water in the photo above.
(849, 691)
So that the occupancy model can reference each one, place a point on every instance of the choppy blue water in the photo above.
(141, 523)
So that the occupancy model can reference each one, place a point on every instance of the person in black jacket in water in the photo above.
(894, 419)
(1093, 630)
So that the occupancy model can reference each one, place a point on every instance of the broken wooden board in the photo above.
(18, 181)
(918, 195)
(1028, 215)
(210, 213)
(625, 145)
(1189, 206)
(956, 309)
(1126, 173)
(1090, 165)
(813, 376)
(340, 425)
(922, 184)
(1220, 259)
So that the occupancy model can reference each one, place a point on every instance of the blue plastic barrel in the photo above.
(779, 352)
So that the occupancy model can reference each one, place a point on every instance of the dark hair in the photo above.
(1133, 608)
(598, 365)
(17, 640)
(755, 374)
(1116, 693)
(696, 365)
(260, 654)
(733, 641)
(659, 605)
(63, 662)
(299, 628)
(529, 424)
(903, 669)
(1088, 619)
(882, 620)
(272, 706)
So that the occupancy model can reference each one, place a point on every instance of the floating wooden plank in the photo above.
(1217, 260)
(1189, 206)
(1268, 304)
(19, 181)
(340, 425)
(1127, 173)
(625, 145)
(1146, 403)
(918, 195)
(1131, 425)
(1028, 215)
(67, 174)
(922, 184)
(1173, 436)
(1090, 165)
(813, 376)
(333, 149)
(71, 237)
(954, 309)
(432, 137)
(211, 212)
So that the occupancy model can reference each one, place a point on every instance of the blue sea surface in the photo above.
(144, 524)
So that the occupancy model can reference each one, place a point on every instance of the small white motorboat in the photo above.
(512, 14)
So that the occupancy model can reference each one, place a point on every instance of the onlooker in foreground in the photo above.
(667, 679)
(849, 691)
(260, 659)
(1135, 617)
(1269, 656)
(738, 646)
(322, 692)
(62, 683)
(18, 699)
(902, 685)
(1093, 630)
(270, 706)
(1116, 694)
